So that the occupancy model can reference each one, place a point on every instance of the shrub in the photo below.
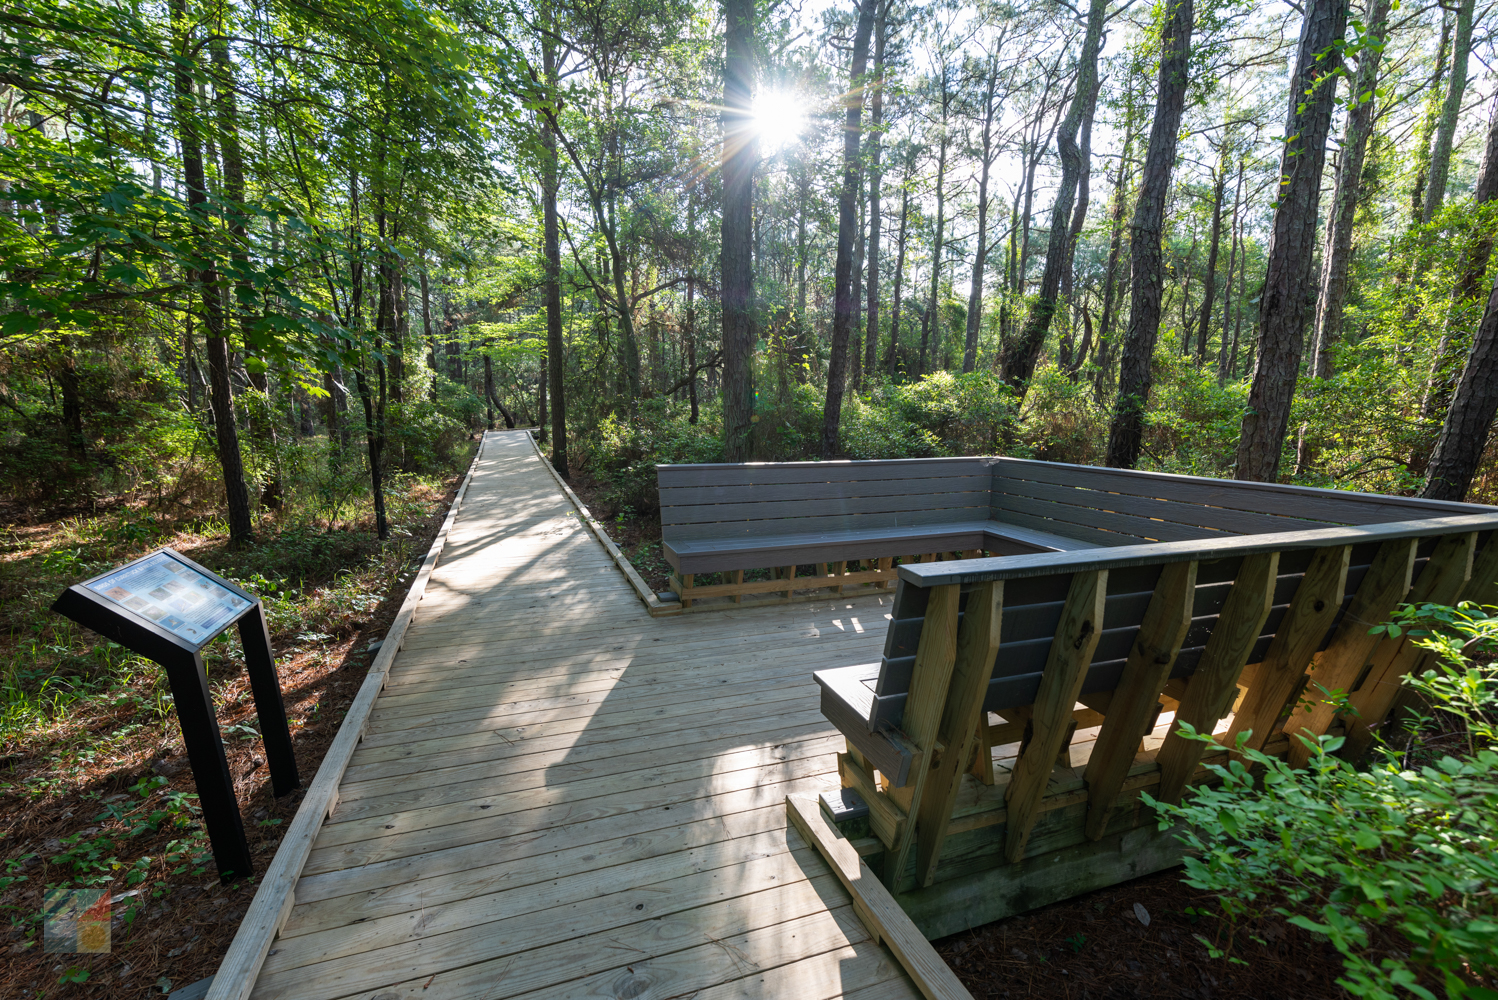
(1340, 852)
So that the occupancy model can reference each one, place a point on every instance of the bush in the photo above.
(626, 449)
(1340, 852)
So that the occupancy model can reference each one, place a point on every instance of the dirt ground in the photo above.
(175, 928)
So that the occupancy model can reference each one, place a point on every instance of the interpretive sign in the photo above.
(172, 592)
(167, 608)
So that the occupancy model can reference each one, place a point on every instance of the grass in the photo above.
(94, 784)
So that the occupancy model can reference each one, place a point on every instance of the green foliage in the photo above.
(628, 447)
(1346, 854)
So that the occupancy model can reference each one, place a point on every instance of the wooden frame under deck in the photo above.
(1240, 625)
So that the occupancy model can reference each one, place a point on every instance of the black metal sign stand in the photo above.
(183, 661)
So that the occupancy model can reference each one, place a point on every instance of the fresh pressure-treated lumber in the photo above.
(1133, 705)
(1065, 670)
(1304, 626)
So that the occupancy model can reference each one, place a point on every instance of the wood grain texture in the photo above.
(977, 645)
(890, 924)
(1443, 579)
(1065, 670)
(1300, 632)
(1337, 667)
(1121, 556)
(935, 659)
(1132, 707)
(556, 790)
(273, 899)
(1211, 689)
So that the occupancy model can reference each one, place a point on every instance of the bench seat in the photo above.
(711, 555)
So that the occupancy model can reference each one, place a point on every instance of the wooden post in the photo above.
(1065, 669)
(977, 646)
(1338, 666)
(686, 589)
(1135, 698)
(1443, 579)
(935, 657)
(886, 562)
(982, 768)
(1214, 684)
(789, 573)
(1305, 624)
(838, 569)
(738, 578)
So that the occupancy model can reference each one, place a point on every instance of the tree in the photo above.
(1440, 154)
(1289, 286)
(1147, 284)
(740, 154)
(556, 360)
(845, 294)
(1464, 433)
(1021, 361)
(205, 278)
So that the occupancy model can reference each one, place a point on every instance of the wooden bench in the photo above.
(999, 749)
(854, 522)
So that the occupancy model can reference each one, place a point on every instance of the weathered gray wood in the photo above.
(845, 705)
(690, 495)
(1292, 501)
(888, 520)
(1017, 515)
(1211, 688)
(1169, 509)
(1143, 527)
(712, 556)
(728, 474)
(969, 571)
(736, 513)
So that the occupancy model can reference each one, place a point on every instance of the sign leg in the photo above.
(260, 661)
(210, 769)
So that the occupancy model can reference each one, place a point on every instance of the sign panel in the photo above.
(173, 595)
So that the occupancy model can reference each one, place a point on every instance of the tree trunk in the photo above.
(555, 357)
(928, 317)
(1440, 152)
(1289, 288)
(1209, 293)
(1337, 255)
(892, 362)
(980, 255)
(426, 327)
(1464, 435)
(855, 347)
(740, 154)
(1020, 364)
(1147, 283)
(876, 178)
(221, 396)
(1227, 287)
(845, 294)
(803, 350)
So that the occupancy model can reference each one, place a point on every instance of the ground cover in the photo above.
(95, 790)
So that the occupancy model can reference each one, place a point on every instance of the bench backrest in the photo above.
(1036, 589)
(783, 498)
(1125, 506)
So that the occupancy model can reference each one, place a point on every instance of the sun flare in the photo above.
(779, 118)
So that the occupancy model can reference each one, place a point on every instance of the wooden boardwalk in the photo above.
(560, 796)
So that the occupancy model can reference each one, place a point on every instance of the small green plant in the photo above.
(1340, 852)
(1077, 941)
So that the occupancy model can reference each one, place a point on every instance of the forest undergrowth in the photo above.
(95, 787)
